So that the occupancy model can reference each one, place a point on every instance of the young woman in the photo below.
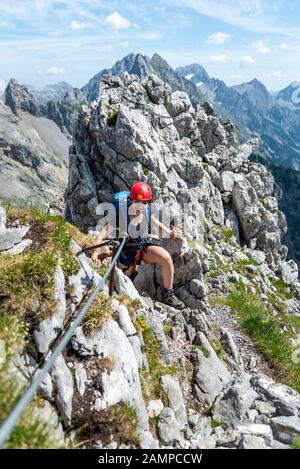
(141, 248)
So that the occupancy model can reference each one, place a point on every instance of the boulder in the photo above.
(285, 429)
(237, 400)
(168, 427)
(210, 375)
(285, 399)
(172, 389)
(289, 272)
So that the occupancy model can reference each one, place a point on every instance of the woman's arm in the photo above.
(104, 233)
(172, 233)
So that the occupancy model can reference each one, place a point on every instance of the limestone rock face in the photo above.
(19, 98)
(139, 131)
(142, 130)
(190, 379)
(33, 158)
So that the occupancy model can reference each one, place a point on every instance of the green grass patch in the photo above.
(278, 303)
(101, 269)
(151, 380)
(215, 301)
(112, 114)
(227, 234)
(296, 443)
(27, 281)
(267, 332)
(282, 289)
(30, 431)
(118, 422)
(215, 423)
(202, 349)
(218, 348)
(245, 262)
(140, 324)
(153, 422)
(98, 314)
(167, 329)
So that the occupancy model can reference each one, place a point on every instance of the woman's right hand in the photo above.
(95, 258)
(176, 233)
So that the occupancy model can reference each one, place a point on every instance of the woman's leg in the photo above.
(158, 255)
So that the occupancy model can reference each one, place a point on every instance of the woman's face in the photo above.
(138, 206)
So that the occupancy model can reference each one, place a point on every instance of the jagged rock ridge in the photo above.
(275, 120)
(187, 155)
(33, 158)
(142, 66)
(63, 112)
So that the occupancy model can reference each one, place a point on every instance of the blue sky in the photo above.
(45, 41)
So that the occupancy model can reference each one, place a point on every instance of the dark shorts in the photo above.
(133, 251)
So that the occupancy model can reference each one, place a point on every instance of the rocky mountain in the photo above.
(223, 372)
(289, 97)
(54, 92)
(190, 142)
(142, 66)
(19, 98)
(63, 112)
(287, 182)
(256, 112)
(33, 155)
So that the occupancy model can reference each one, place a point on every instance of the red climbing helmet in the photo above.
(141, 191)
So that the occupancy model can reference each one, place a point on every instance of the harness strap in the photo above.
(136, 258)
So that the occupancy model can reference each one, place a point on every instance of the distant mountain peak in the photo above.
(258, 84)
(19, 98)
(142, 66)
(196, 73)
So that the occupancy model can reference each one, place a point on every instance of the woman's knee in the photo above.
(158, 255)
(166, 259)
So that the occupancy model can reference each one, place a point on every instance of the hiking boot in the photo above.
(170, 299)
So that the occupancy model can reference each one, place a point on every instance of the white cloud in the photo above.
(78, 25)
(218, 38)
(54, 71)
(55, 33)
(262, 16)
(117, 21)
(247, 59)
(150, 36)
(33, 11)
(277, 74)
(219, 58)
(284, 45)
(125, 44)
(261, 47)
